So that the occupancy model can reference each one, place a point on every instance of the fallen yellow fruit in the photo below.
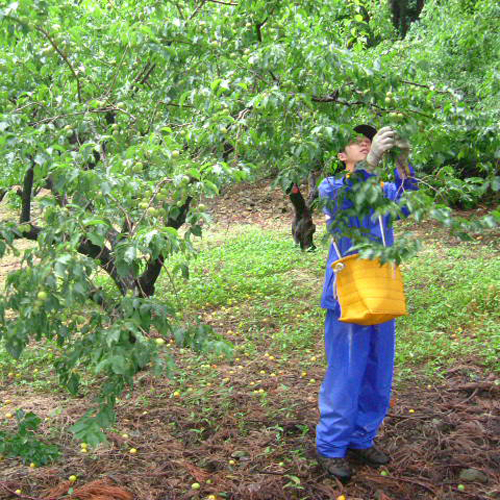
(18, 492)
(132, 451)
(72, 478)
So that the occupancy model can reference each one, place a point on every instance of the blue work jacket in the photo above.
(330, 189)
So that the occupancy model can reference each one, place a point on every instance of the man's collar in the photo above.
(361, 170)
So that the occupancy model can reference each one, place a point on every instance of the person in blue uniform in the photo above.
(355, 395)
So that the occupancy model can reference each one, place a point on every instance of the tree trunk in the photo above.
(146, 283)
(403, 14)
(303, 227)
(26, 195)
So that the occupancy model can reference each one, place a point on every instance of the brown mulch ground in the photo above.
(433, 432)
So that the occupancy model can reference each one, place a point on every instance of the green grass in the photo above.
(454, 305)
(256, 287)
(33, 370)
(257, 283)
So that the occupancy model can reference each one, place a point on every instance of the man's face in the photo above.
(356, 150)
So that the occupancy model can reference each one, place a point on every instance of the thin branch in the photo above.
(223, 3)
(181, 13)
(143, 76)
(151, 200)
(176, 105)
(426, 87)
(201, 4)
(115, 76)
(334, 98)
(65, 58)
(26, 106)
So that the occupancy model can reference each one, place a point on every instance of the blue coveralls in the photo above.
(355, 394)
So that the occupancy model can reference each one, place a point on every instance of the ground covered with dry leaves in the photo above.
(244, 428)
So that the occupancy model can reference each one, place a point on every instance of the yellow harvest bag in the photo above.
(368, 293)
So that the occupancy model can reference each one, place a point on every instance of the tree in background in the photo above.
(404, 12)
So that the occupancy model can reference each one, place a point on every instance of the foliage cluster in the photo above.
(24, 444)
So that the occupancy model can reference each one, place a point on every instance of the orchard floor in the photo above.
(244, 428)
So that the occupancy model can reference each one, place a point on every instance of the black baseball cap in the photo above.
(366, 130)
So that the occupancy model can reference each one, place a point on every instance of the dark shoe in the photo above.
(337, 467)
(370, 456)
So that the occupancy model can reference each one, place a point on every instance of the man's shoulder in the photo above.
(329, 185)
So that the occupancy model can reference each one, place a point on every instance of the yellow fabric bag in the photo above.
(368, 293)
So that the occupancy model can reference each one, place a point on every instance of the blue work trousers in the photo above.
(355, 395)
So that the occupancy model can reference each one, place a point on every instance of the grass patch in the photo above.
(255, 285)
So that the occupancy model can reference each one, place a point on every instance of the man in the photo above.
(355, 394)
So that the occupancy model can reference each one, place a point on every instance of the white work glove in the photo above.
(383, 140)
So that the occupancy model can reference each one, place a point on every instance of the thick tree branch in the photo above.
(313, 188)
(26, 195)
(102, 254)
(143, 76)
(258, 28)
(146, 283)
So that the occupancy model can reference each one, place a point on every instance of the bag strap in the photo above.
(334, 243)
(382, 232)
